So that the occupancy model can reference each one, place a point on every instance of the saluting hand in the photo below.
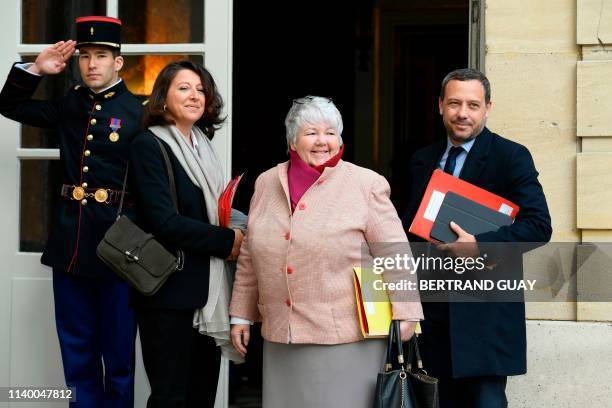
(465, 246)
(52, 60)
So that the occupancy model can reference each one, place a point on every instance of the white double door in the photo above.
(29, 349)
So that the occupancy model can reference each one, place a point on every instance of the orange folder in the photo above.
(439, 184)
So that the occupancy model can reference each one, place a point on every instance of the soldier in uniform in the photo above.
(95, 125)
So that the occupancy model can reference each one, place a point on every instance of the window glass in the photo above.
(50, 21)
(140, 71)
(39, 195)
(154, 22)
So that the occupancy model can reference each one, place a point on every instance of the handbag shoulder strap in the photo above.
(127, 167)
(170, 172)
(180, 253)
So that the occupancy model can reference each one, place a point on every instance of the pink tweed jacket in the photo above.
(295, 271)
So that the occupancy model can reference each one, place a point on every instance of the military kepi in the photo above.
(98, 30)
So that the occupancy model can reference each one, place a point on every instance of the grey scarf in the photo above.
(206, 171)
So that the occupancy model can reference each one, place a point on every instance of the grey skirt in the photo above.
(321, 376)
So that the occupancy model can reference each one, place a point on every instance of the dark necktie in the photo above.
(451, 160)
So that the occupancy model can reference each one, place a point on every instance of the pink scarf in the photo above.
(302, 176)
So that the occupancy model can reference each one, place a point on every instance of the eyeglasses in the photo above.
(310, 98)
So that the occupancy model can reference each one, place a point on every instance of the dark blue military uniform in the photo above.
(89, 158)
(93, 319)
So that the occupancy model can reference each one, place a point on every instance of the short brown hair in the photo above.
(467, 74)
(155, 114)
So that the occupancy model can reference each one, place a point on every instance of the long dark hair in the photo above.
(155, 114)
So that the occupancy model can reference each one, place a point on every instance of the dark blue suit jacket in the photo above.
(479, 339)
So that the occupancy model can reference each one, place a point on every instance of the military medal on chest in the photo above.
(115, 124)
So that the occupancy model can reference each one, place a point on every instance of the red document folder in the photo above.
(226, 199)
(439, 184)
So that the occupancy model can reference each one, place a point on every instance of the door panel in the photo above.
(29, 349)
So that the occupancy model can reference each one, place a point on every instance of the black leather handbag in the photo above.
(135, 255)
(425, 387)
(400, 385)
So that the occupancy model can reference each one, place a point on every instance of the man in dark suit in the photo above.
(95, 125)
(473, 347)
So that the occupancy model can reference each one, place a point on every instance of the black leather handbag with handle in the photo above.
(399, 385)
(135, 255)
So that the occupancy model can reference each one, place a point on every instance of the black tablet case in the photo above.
(473, 217)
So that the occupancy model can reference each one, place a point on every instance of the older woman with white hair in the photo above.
(308, 220)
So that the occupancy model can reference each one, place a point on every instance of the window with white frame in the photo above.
(154, 32)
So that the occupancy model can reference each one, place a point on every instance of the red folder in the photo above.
(439, 184)
(226, 199)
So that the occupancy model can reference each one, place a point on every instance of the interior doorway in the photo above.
(380, 61)
(416, 45)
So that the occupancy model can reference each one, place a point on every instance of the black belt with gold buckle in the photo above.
(100, 195)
